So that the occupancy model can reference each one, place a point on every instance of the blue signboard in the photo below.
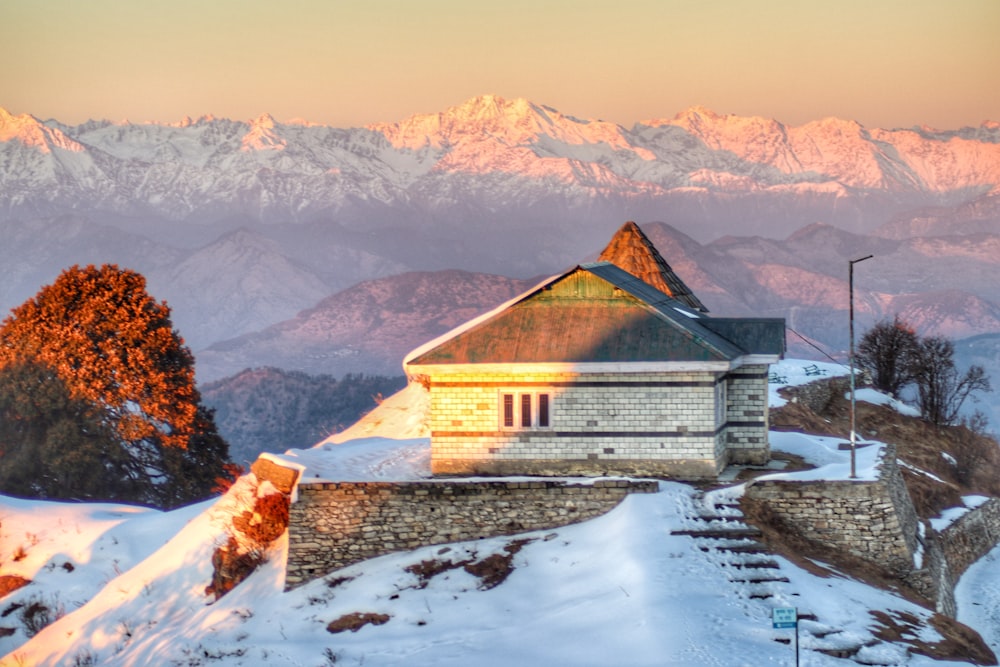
(785, 617)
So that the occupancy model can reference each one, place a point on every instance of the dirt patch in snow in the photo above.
(491, 571)
(11, 582)
(959, 642)
(356, 621)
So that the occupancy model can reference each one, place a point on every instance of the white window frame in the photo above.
(721, 402)
(517, 398)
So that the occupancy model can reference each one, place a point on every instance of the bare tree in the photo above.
(975, 453)
(941, 390)
(888, 351)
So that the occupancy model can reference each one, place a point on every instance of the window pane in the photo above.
(508, 410)
(543, 410)
(526, 410)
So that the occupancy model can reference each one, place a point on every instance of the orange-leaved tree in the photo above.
(113, 346)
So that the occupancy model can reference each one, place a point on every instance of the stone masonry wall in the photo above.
(818, 394)
(873, 520)
(971, 537)
(332, 525)
(948, 554)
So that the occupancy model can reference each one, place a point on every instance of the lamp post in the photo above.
(850, 282)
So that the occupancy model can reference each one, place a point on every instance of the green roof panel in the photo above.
(593, 313)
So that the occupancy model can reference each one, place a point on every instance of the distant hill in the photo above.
(367, 328)
(272, 410)
(948, 286)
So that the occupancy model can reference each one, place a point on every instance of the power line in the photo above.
(815, 347)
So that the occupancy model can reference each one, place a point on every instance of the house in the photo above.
(596, 372)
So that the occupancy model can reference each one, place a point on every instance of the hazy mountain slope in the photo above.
(33, 253)
(367, 328)
(227, 287)
(945, 286)
(236, 283)
(271, 410)
(981, 214)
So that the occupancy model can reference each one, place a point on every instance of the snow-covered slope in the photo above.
(617, 590)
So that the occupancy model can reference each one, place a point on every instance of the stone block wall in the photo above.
(948, 554)
(747, 416)
(332, 525)
(638, 424)
(971, 537)
(817, 395)
(873, 520)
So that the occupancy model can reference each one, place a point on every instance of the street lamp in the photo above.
(850, 282)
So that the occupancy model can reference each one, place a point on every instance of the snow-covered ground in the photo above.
(129, 584)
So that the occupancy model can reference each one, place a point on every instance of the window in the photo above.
(525, 410)
(508, 410)
(720, 402)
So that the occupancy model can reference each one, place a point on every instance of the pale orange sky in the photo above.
(885, 63)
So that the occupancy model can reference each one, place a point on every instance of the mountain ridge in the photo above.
(802, 278)
(281, 172)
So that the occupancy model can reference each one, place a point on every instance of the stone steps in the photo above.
(720, 533)
(745, 548)
(720, 528)
(717, 526)
(760, 580)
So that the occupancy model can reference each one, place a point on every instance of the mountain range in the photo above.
(335, 250)
(278, 215)
(476, 156)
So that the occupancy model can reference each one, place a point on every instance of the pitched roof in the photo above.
(631, 250)
(592, 313)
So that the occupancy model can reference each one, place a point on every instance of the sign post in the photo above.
(787, 617)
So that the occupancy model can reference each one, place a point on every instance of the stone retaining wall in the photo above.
(873, 520)
(948, 554)
(971, 537)
(332, 525)
(818, 394)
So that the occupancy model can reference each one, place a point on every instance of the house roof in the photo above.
(597, 313)
(632, 250)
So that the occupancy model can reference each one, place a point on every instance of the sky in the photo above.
(346, 63)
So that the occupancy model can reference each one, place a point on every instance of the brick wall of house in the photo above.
(745, 437)
(332, 525)
(640, 424)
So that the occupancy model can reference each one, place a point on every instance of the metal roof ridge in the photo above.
(672, 309)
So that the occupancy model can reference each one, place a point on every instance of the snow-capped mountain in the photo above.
(486, 156)
(240, 225)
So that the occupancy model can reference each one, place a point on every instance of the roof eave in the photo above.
(571, 368)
